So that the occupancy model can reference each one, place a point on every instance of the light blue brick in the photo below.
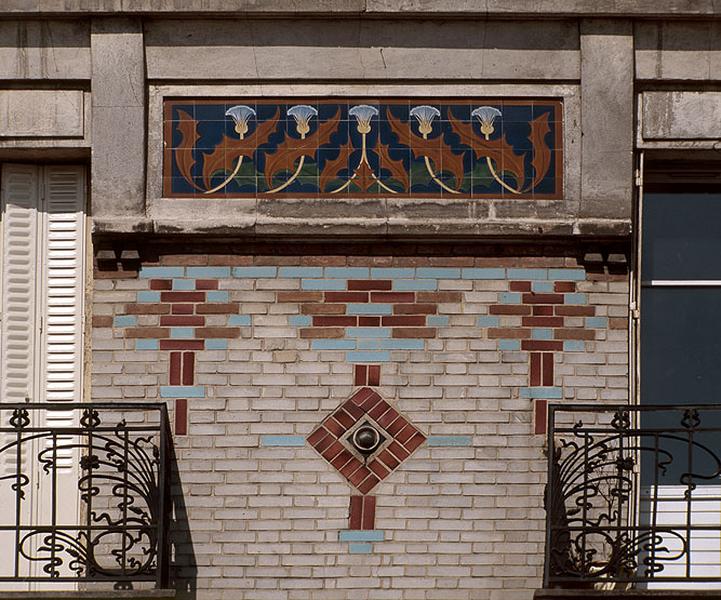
(148, 296)
(509, 298)
(361, 535)
(488, 321)
(184, 285)
(575, 298)
(182, 333)
(360, 548)
(364, 332)
(285, 441)
(307, 272)
(250, 272)
(491, 273)
(125, 321)
(438, 321)
(550, 393)
(388, 344)
(209, 272)
(300, 320)
(567, 274)
(368, 357)
(147, 344)
(182, 391)
(526, 274)
(393, 272)
(574, 346)
(449, 440)
(216, 344)
(324, 284)
(369, 309)
(347, 272)
(542, 287)
(509, 345)
(161, 272)
(541, 333)
(438, 273)
(218, 296)
(239, 320)
(597, 322)
(328, 344)
(413, 285)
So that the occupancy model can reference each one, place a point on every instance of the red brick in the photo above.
(371, 401)
(415, 309)
(351, 467)
(323, 309)
(183, 309)
(542, 298)
(542, 321)
(188, 368)
(341, 460)
(182, 344)
(217, 332)
(440, 297)
(379, 409)
(564, 286)
(369, 321)
(396, 426)
(618, 323)
(509, 309)
(393, 296)
(324, 443)
(147, 309)
(183, 260)
(388, 459)
(575, 311)
(366, 284)
(147, 332)
(414, 332)
(161, 284)
(322, 332)
(516, 333)
(299, 296)
(229, 260)
(415, 441)
(217, 308)
(344, 418)
(547, 369)
(189, 320)
(360, 396)
(407, 320)
(334, 426)
(540, 416)
(353, 410)
(368, 484)
(388, 417)
(542, 310)
(355, 513)
(369, 512)
(406, 433)
(317, 436)
(374, 375)
(398, 451)
(332, 451)
(182, 296)
(361, 375)
(206, 284)
(574, 334)
(181, 416)
(535, 368)
(175, 369)
(378, 469)
(357, 477)
(319, 321)
(98, 274)
(346, 296)
(102, 321)
(541, 345)
(520, 286)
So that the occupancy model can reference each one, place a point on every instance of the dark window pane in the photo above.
(681, 236)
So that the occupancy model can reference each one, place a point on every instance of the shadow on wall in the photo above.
(183, 571)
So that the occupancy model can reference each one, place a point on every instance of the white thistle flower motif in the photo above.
(302, 113)
(486, 115)
(425, 115)
(363, 114)
(240, 115)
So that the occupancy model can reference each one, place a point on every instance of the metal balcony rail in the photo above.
(84, 493)
(633, 497)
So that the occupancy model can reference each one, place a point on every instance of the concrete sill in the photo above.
(85, 595)
(566, 594)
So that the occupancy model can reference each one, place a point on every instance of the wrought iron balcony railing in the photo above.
(84, 493)
(633, 496)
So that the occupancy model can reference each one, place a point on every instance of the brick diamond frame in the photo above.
(405, 439)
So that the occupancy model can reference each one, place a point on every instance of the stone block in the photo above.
(681, 115)
(41, 113)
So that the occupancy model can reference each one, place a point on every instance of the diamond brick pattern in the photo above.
(404, 439)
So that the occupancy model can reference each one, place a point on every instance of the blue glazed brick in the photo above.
(182, 391)
(324, 284)
(413, 285)
(374, 332)
(483, 274)
(307, 272)
(299, 320)
(550, 393)
(218, 296)
(527, 274)
(250, 272)
(438, 273)
(328, 344)
(509, 345)
(219, 344)
(369, 309)
(148, 296)
(184, 285)
(542, 287)
(541, 333)
(125, 321)
(161, 272)
(449, 440)
(488, 321)
(567, 274)
(509, 298)
(575, 298)
(147, 344)
(361, 535)
(368, 357)
(209, 272)
(284, 441)
(574, 346)
(181, 333)
(393, 273)
(239, 320)
(387, 344)
(438, 321)
(360, 548)
(597, 322)
(347, 272)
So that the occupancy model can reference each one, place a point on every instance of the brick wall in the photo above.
(270, 361)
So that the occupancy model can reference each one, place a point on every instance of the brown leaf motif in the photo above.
(333, 167)
(398, 171)
(227, 152)
(290, 149)
(541, 152)
(188, 128)
(498, 150)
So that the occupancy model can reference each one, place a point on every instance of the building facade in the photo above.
(357, 248)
